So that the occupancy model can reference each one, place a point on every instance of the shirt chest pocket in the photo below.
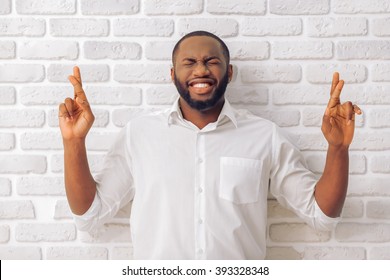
(240, 179)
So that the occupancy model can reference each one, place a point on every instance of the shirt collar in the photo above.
(227, 111)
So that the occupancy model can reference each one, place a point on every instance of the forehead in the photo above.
(200, 46)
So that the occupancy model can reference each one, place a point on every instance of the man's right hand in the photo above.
(75, 115)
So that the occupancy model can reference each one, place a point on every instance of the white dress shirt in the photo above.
(202, 194)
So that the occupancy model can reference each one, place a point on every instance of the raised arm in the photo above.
(75, 120)
(338, 127)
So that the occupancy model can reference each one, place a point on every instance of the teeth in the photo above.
(200, 85)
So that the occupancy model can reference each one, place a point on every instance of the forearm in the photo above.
(332, 187)
(79, 183)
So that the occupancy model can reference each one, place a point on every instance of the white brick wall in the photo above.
(284, 54)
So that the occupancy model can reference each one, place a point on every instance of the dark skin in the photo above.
(200, 65)
(200, 60)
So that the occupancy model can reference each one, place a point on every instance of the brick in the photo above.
(20, 253)
(117, 233)
(323, 73)
(142, 73)
(353, 208)
(5, 187)
(334, 253)
(112, 50)
(256, 95)
(379, 118)
(45, 232)
(368, 95)
(22, 27)
(357, 164)
(21, 73)
(22, 118)
(255, 26)
(249, 50)
(40, 186)
(276, 211)
(113, 95)
(222, 27)
(302, 50)
(298, 95)
(109, 7)
(5, 7)
(240, 7)
(159, 50)
(7, 141)
(122, 253)
(13, 209)
(4, 235)
(57, 165)
(362, 186)
(76, 253)
(89, 73)
(380, 27)
(348, 50)
(297, 232)
(62, 210)
(7, 95)
(172, 7)
(359, 232)
(373, 141)
(44, 95)
(77, 27)
(282, 253)
(379, 253)
(41, 141)
(378, 209)
(297, 7)
(283, 73)
(380, 72)
(45, 7)
(283, 118)
(143, 27)
(7, 49)
(336, 26)
(120, 117)
(360, 6)
(380, 164)
(161, 95)
(49, 50)
(21, 164)
(311, 141)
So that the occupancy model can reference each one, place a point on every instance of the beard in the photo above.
(207, 104)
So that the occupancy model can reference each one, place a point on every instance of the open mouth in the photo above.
(201, 86)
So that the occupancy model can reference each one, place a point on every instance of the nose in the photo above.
(201, 69)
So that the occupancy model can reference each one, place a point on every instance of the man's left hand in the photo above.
(338, 123)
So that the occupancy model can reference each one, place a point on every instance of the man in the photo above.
(198, 174)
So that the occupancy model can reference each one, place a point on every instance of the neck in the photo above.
(201, 118)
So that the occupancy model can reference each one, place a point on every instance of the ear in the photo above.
(172, 74)
(230, 72)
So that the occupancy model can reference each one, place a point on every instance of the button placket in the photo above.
(200, 200)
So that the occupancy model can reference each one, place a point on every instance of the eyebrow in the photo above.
(208, 58)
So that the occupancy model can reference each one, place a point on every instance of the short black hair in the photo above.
(225, 49)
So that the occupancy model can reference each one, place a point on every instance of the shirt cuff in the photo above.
(324, 222)
(85, 221)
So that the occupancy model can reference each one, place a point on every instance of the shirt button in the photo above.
(200, 221)
(200, 160)
(200, 190)
(200, 251)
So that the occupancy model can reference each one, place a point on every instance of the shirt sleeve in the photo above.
(114, 185)
(293, 184)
